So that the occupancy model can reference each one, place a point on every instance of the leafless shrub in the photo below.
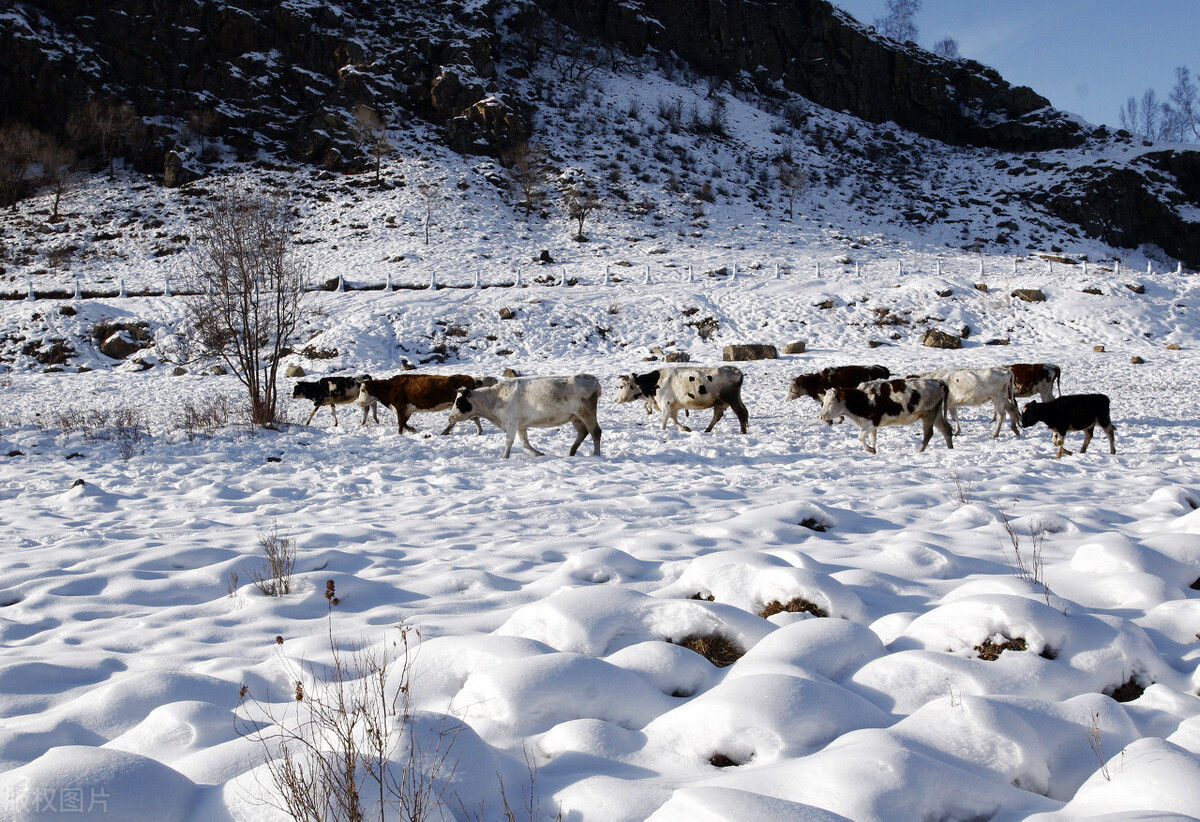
(797, 605)
(232, 584)
(1092, 732)
(991, 648)
(962, 488)
(125, 425)
(343, 747)
(202, 417)
(718, 650)
(274, 578)
(1026, 562)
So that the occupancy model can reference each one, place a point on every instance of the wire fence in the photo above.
(561, 276)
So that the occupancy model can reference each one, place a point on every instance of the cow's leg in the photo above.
(478, 426)
(1060, 439)
(926, 432)
(581, 432)
(1087, 438)
(509, 436)
(524, 434)
(998, 413)
(671, 412)
(863, 434)
(333, 410)
(743, 415)
(316, 408)
(953, 410)
(449, 428)
(1110, 431)
(718, 412)
(1010, 408)
(366, 410)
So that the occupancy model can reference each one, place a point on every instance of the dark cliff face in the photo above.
(809, 48)
(276, 73)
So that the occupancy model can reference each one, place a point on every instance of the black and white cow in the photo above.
(686, 387)
(516, 405)
(1072, 412)
(331, 391)
(879, 403)
(977, 386)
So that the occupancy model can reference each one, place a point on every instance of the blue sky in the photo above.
(1085, 56)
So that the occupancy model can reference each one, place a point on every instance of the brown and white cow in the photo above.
(878, 403)
(1039, 378)
(686, 387)
(1072, 412)
(839, 376)
(976, 386)
(407, 394)
(331, 391)
(516, 405)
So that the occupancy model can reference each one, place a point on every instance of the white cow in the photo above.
(686, 387)
(878, 403)
(516, 405)
(976, 386)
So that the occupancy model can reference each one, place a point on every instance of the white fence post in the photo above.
(517, 284)
(387, 284)
(78, 289)
(341, 286)
(856, 274)
(121, 293)
(939, 268)
(818, 269)
(690, 273)
(647, 280)
(733, 272)
(433, 279)
(606, 278)
(476, 286)
(777, 271)
(1116, 268)
(31, 295)
(167, 290)
(563, 282)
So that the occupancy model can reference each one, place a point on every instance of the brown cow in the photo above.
(1031, 378)
(408, 393)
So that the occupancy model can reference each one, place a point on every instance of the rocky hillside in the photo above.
(213, 80)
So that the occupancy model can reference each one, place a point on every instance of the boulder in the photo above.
(751, 351)
(935, 338)
(119, 345)
(1029, 295)
(794, 348)
(293, 371)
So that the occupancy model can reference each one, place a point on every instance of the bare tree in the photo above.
(528, 173)
(106, 127)
(792, 181)
(370, 134)
(947, 47)
(1184, 106)
(205, 123)
(59, 170)
(19, 146)
(899, 23)
(250, 288)
(579, 201)
(432, 202)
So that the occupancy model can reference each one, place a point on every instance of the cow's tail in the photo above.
(1058, 381)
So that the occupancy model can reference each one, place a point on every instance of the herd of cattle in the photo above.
(868, 396)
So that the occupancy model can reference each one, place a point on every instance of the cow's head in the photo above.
(833, 404)
(1031, 414)
(364, 391)
(628, 388)
(463, 408)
